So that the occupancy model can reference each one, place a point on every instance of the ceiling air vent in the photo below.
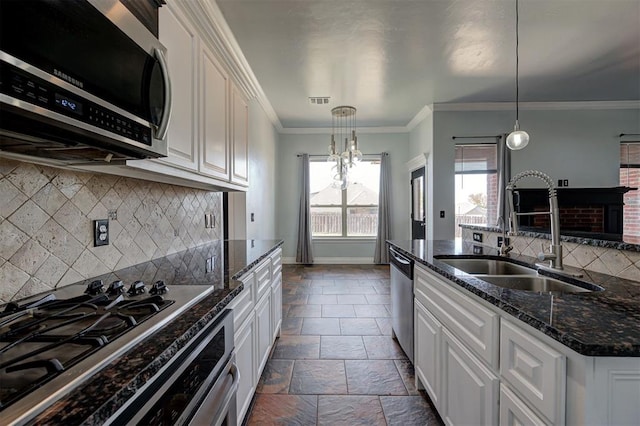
(323, 100)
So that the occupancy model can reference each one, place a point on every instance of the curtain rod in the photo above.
(475, 137)
(323, 155)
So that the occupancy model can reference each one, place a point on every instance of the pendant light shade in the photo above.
(517, 139)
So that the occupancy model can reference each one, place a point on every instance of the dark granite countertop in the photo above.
(215, 264)
(604, 323)
(617, 245)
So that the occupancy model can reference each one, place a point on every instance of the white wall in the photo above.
(288, 193)
(261, 195)
(579, 145)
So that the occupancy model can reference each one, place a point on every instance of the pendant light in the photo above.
(344, 128)
(517, 139)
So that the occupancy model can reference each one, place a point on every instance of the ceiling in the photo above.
(390, 58)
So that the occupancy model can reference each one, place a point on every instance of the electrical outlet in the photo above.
(441, 214)
(506, 241)
(565, 182)
(559, 182)
(477, 249)
(253, 219)
(477, 236)
(100, 232)
(207, 220)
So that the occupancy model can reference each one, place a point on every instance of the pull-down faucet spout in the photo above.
(555, 253)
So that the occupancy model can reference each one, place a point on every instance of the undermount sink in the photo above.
(505, 274)
(538, 284)
(483, 266)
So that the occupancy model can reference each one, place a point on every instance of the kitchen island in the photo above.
(217, 265)
(507, 354)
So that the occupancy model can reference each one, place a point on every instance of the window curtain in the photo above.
(304, 253)
(504, 176)
(381, 254)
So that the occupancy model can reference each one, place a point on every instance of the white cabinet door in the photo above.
(514, 412)
(240, 137)
(246, 362)
(535, 370)
(263, 331)
(214, 120)
(427, 333)
(469, 389)
(181, 41)
(276, 306)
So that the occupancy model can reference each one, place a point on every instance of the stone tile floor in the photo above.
(335, 362)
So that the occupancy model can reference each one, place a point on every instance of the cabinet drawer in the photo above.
(263, 278)
(276, 263)
(475, 325)
(514, 412)
(242, 306)
(535, 370)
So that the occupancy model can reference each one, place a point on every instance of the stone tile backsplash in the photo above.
(46, 224)
(610, 261)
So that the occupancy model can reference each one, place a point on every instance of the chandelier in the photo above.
(345, 155)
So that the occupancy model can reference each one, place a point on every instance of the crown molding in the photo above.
(327, 130)
(426, 111)
(537, 106)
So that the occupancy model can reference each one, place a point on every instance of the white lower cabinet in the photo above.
(264, 338)
(428, 332)
(246, 362)
(469, 389)
(257, 314)
(276, 306)
(514, 412)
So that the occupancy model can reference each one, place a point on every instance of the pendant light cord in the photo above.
(517, 64)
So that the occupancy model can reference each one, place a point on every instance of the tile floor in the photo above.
(335, 362)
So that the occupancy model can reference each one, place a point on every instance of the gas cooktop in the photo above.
(50, 343)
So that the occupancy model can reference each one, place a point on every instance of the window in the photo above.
(476, 183)
(630, 176)
(352, 212)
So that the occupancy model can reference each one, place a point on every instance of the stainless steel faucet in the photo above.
(555, 251)
(504, 248)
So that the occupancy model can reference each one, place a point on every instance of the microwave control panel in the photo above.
(26, 87)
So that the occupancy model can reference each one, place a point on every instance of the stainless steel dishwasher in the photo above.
(402, 300)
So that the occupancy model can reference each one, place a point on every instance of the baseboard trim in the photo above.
(333, 260)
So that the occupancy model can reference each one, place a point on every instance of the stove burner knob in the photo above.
(136, 288)
(116, 288)
(96, 287)
(159, 287)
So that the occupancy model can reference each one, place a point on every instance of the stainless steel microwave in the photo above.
(81, 81)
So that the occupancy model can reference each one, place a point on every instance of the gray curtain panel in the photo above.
(304, 253)
(504, 176)
(381, 255)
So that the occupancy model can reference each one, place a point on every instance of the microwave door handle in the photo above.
(161, 132)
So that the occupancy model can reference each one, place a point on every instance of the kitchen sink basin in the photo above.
(482, 266)
(538, 284)
(505, 274)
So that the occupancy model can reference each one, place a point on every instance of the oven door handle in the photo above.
(215, 412)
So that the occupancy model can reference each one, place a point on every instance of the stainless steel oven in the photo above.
(81, 80)
(198, 386)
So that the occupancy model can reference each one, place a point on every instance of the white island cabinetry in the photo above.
(480, 365)
(255, 330)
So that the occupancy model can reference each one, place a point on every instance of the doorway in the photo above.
(418, 212)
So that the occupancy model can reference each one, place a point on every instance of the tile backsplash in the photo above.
(610, 261)
(46, 224)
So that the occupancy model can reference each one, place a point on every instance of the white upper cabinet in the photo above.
(240, 172)
(214, 121)
(179, 37)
